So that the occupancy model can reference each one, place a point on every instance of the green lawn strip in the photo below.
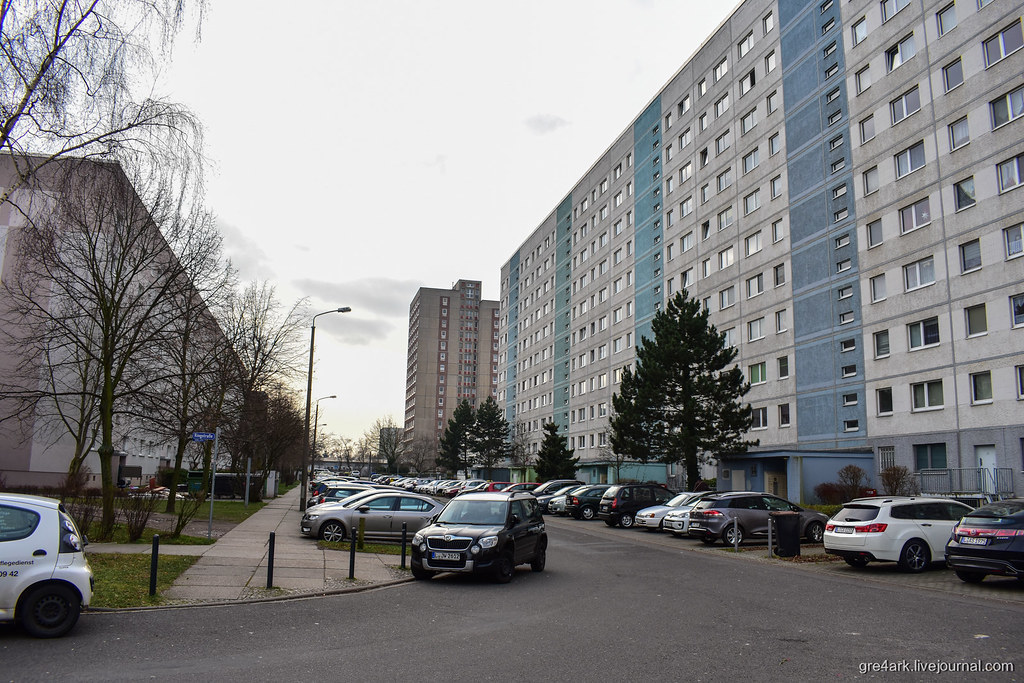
(375, 548)
(123, 580)
(230, 510)
(121, 536)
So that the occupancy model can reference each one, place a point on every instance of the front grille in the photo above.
(454, 543)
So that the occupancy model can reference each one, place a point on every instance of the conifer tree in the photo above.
(454, 448)
(488, 436)
(554, 460)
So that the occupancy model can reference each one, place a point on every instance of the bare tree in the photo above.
(384, 438)
(75, 77)
(519, 449)
(421, 454)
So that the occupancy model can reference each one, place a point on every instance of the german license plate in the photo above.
(844, 530)
(446, 556)
(971, 540)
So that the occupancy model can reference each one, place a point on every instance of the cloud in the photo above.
(354, 331)
(245, 254)
(370, 297)
(439, 162)
(542, 124)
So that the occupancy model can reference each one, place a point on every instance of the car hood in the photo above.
(658, 509)
(467, 530)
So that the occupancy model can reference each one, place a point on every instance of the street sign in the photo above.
(203, 436)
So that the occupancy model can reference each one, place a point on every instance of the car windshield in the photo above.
(679, 500)
(566, 489)
(1003, 508)
(856, 513)
(474, 512)
(354, 499)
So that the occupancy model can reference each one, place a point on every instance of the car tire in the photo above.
(540, 558)
(915, 556)
(612, 521)
(626, 520)
(333, 532)
(587, 512)
(970, 577)
(814, 532)
(421, 574)
(858, 562)
(504, 568)
(50, 610)
(732, 536)
(708, 540)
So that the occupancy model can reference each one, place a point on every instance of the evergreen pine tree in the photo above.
(488, 436)
(554, 460)
(454, 448)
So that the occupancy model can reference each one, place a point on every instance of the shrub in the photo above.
(851, 482)
(137, 509)
(829, 493)
(898, 481)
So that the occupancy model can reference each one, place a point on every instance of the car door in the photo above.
(29, 542)
(773, 504)
(936, 522)
(414, 513)
(752, 513)
(378, 513)
(519, 529)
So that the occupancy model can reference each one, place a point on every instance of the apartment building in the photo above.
(452, 356)
(840, 184)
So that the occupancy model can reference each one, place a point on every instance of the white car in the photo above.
(650, 518)
(45, 578)
(912, 531)
(677, 520)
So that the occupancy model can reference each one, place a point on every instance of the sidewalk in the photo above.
(235, 567)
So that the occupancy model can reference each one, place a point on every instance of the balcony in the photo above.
(996, 482)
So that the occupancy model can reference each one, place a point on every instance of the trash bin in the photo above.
(787, 528)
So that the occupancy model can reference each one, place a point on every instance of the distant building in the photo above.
(453, 356)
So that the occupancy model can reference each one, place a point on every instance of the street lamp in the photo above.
(309, 400)
(316, 423)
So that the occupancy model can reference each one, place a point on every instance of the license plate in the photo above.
(843, 529)
(446, 556)
(971, 540)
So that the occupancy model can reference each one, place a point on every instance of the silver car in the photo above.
(650, 518)
(384, 513)
(677, 521)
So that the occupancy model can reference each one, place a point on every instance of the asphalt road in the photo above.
(613, 605)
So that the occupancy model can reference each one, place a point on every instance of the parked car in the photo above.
(712, 518)
(45, 579)
(911, 531)
(464, 486)
(482, 532)
(546, 498)
(582, 503)
(384, 512)
(621, 502)
(989, 540)
(336, 493)
(556, 505)
(677, 520)
(549, 487)
(527, 486)
(650, 518)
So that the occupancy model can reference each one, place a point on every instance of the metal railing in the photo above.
(994, 481)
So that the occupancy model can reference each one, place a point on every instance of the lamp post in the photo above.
(316, 423)
(309, 401)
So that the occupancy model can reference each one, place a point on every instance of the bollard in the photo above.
(735, 537)
(153, 564)
(352, 555)
(771, 523)
(270, 563)
(405, 531)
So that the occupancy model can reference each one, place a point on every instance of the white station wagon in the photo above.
(45, 579)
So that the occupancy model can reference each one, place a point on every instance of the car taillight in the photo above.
(615, 503)
(710, 513)
(830, 527)
(323, 498)
(575, 500)
(989, 533)
(870, 528)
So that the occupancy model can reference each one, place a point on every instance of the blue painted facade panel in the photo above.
(563, 283)
(647, 168)
(513, 338)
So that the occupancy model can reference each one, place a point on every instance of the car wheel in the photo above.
(626, 520)
(611, 521)
(540, 558)
(732, 535)
(421, 574)
(504, 568)
(915, 556)
(815, 532)
(858, 562)
(970, 577)
(708, 540)
(50, 610)
(333, 532)
(587, 512)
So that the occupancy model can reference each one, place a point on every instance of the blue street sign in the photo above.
(203, 436)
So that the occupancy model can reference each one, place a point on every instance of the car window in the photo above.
(748, 503)
(856, 513)
(903, 512)
(644, 495)
(17, 523)
(518, 509)
(532, 508)
(662, 495)
(383, 503)
(414, 505)
(777, 504)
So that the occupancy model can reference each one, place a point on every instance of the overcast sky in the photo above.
(364, 149)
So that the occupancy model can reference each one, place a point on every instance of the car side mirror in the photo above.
(515, 519)
(364, 509)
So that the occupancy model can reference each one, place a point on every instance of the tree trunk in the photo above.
(179, 456)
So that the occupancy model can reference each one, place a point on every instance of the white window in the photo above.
(769, 62)
(757, 373)
(919, 274)
(846, 317)
(776, 186)
(906, 104)
(881, 344)
(684, 105)
(878, 287)
(702, 87)
(1013, 241)
(1010, 173)
(923, 333)
(746, 44)
(959, 133)
(863, 79)
(970, 256)
(755, 285)
(748, 121)
(759, 418)
(976, 320)
(915, 216)
(685, 138)
(774, 144)
(726, 258)
(910, 159)
(867, 129)
(900, 52)
(686, 206)
(750, 161)
(780, 321)
(686, 241)
(859, 30)
(747, 82)
(927, 395)
(778, 231)
(870, 180)
(725, 219)
(751, 202)
(752, 243)
(772, 101)
(722, 142)
(755, 329)
(981, 387)
(1017, 309)
(721, 69)
(768, 23)
(874, 230)
(727, 297)
(891, 7)
(946, 18)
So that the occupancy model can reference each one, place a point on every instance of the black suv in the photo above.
(482, 532)
(620, 503)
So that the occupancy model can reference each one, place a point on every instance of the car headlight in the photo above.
(311, 517)
(488, 541)
(418, 538)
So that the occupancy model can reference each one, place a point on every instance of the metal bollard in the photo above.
(771, 523)
(735, 537)
(270, 563)
(352, 555)
(153, 564)
(405, 531)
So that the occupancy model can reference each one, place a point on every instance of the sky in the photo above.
(362, 149)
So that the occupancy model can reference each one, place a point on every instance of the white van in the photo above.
(45, 578)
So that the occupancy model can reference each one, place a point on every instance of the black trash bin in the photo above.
(787, 528)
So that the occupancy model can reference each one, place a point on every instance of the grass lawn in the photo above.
(376, 548)
(123, 580)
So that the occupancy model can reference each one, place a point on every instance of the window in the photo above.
(783, 363)
(778, 231)
(748, 121)
(919, 274)
(846, 317)
(722, 142)
(1008, 107)
(686, 207)
(746, 44)
(927, 395)
(726, 258)
(1013, 242)
(755, 329)
(859, 30)
(725, 219)
(781, 324)
(851, 425)
(891, 7)
(843, 265)
(829, 73)
(702, 87)
(906, 104)
(900, 52)
(910, 159)
(724, 179)
(685, 138)
(877, 287)
(867, 129)
(751, 202)
(915, 216)
(1005, 42)
(849, 370)
(828, 52)
(752, 244)
(774, 144)
(684, 105)
(686, 242)
(759, 418)
(755, 285)
(959, 133)
(1017, 309)
(843, 241)
(747, 82)
(844, 292)
(923, 333)
(750, 161)
(835, 143)
(963, 194)
(981, 387)
(722, 105)
(953, 74)
(881, 339)
(838, 165)
(970, 256)
(784, 415)
(769, 62)
(883, 400)
(772, 101)
(780, 274)
(727, 297)
(1020, 385)
(687, 277)
(1010, 173)
(874, 229)
(702, 157)
(863, 79)
(768, 23)
(930, 455)
(946, 19)
(705, 267)
(871, 180)
(776, 186)
(975, 320)
(757, 373)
